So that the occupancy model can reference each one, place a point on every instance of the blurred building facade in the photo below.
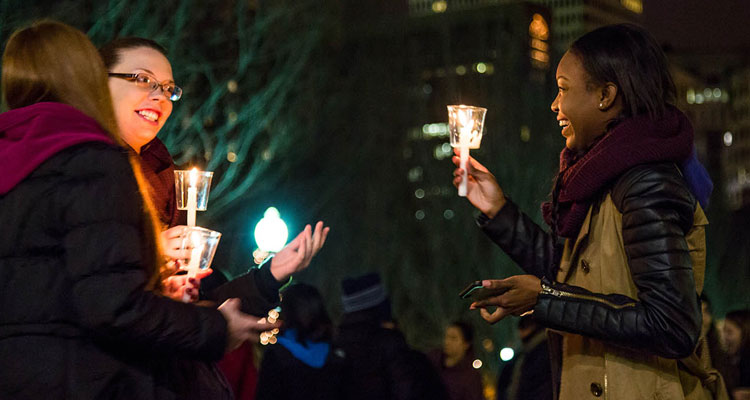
(573, 18)
(737, 140)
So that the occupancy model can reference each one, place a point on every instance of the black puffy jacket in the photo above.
(75, 320)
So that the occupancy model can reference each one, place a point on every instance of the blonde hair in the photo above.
(52, 61)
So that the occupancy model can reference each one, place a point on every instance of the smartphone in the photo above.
(475, 291)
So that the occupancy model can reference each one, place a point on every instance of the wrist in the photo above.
(278, 275)
(495, 208)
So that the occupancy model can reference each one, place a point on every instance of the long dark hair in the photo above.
(303, 309)
(467, 331)
(628, 56)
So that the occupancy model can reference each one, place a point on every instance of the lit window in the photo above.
(690, 96)
(728, 138)
(439, 6)
(525, 133)
(538, 28)
(635, 6)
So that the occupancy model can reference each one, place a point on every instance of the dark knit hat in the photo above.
(365, 292)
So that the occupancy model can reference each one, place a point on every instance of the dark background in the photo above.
(322, 104)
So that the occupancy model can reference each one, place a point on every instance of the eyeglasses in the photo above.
(148, 81)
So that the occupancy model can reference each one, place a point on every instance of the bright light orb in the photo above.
(506, 354)
(271, 232)
(728, 138)
(477, 364)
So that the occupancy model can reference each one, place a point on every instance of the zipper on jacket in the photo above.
(559, 294)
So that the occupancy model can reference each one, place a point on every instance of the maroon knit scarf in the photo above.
(634, 141)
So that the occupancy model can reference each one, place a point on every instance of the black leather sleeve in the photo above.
(525, 242)
(657, 212)
(257, 289)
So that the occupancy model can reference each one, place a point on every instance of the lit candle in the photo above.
(192, 200)
(465, 126)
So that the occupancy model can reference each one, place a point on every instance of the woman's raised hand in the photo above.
(297, 255)
(483, 191)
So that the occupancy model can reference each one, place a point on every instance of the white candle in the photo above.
(466, 125)
(194, 264)
(192, 200)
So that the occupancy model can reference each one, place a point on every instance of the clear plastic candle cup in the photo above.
(466, 125)
(201, 182)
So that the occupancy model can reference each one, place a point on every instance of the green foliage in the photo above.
(316, 104)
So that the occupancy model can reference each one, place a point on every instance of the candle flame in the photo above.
(193, 179)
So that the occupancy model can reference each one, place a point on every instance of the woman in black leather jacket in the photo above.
(616, 278)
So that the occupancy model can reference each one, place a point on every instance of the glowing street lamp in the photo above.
(270, 233)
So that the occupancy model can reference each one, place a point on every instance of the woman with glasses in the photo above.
(79, 260)
(143, 92)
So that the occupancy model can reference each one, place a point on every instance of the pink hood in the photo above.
(31, 135)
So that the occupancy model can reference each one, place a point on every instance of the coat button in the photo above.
(585, 266)
(596, 389)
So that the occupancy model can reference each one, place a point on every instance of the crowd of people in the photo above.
(93, 295)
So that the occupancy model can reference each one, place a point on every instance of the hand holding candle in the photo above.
(466, 124)
(202, 244)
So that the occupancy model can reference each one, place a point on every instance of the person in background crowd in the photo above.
(301, 364)
(617, 276)
(80, 273)
(454, 363)
(737, 339)
(710, 347)
(527, 375)
(378, 363)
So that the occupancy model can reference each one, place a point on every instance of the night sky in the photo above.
(703, 25)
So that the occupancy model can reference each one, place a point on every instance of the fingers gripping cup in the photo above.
(202, 244)
(466, 125)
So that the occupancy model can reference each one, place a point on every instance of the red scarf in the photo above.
(634, 141)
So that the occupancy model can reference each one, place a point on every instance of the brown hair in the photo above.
(110, 52)
(52, 61)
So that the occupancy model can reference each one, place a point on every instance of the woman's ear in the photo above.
(607, 96)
